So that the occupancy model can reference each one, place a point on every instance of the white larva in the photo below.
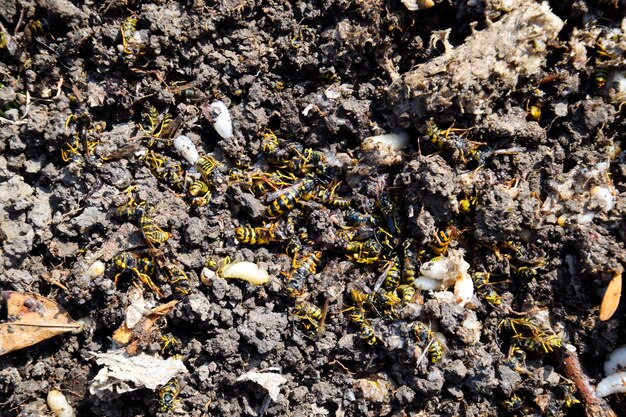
(207, 275)
(96, 269)
(59, 405)
(428, 284)
(435, 269)
(602, 198)
(612, 384)
(464, 289)
(389, 142)
(186, 149)
(223, 124)
(247, 271)
(616, 361)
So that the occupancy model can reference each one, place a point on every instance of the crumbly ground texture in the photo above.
(515, 121)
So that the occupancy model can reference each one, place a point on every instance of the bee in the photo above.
(513, 403)
(178, 279)
(168, 394)
(366, 332)
(309, 313)
(354, 218)
(254, 235)
(142, 268)
(284, 200)
(426, 337)
(206, 165)
(153, 233)
(485, 289)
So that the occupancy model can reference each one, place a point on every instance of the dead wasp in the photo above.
(364, 253)
(407, 293)
(442, 239)
(168, 394)
(199, 188)
(140, 267)
(254, 235)
(601, 58)
(177, 278)
(327, 196)
(300, 270)
(131, 211)
(390, 277)
(528, 334)
(285, 200)
(461, 147)
(513, 403)
(151, 232)
(309, 314)
(269, 142)
(485, 289)
(205, 165)
(127, 33)
(366, 332)
(409, 263)
(161, 130)
(354, 218)
(429, 341)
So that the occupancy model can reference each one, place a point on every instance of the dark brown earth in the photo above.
(326, 75)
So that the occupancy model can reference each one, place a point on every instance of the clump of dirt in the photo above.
(512, 176)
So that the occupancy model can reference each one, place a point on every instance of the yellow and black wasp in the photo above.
(354, 218)
(168, 395)
(485, 288)
(454, 140)
(205, 165)
(429, 341)
(309, 314)
(254, 235)
(366, 332)
(442, 239)
(285, 200)
(178, 279)
(140, 267)
(326, 195)
(161, 130)
(300, 271)
(153, 234)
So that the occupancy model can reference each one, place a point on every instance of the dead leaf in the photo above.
(610, 302)
(32, 319)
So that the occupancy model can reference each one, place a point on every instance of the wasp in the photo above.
(199, 188)
(168, 394)
(329, 78)
(354, 218)
(131, 211)
(485, 289)
(528, 334)
(407, 293)
(601, 59)
(171, 174)
(206, 165)
(284, 200)
(153, 233)
(127, 31)
(269, 142)
(300, 270)
(467, 203)
(254, 235)
(366, 332)
(409, 264)
(442, 239)
(513, 403)
(390, 278)
(426, 337)
(448, 138)
(178, 279)
(161, 130)
(309, 313)
(327, 196)
(169, 343)
(569, 398)
(142, 268)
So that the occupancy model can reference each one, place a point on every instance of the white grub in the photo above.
(59, 404)
(269, 380)
(223, 124)
(616, 361)
(247, 271)
(415, 5)
(428, 284)
(96, 269)
(464, 289)
(601, 198)
(448, 268)
(389, 142)
(435, 269)
(617, 87)
(375, 389)
(612, 384)
(186, 149)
